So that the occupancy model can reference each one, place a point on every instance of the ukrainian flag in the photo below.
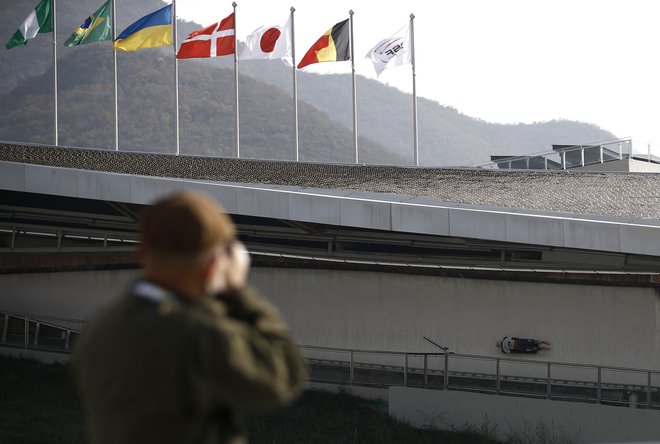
(150, 31)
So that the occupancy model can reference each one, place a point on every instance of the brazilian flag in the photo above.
(95, 28)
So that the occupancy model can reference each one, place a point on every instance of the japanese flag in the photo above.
(392, 51)
(268, 42)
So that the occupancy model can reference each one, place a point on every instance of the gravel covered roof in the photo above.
(620, 195)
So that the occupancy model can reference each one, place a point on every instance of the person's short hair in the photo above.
(186, 223)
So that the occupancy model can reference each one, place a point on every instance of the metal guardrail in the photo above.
(43, 333)
(617, 386)
(577, 156)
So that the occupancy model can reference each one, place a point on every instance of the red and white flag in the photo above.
(213, 41)
(268, 42)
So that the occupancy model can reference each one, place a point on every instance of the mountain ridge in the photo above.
(446, 136)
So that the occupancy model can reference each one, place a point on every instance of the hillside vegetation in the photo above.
(40, 405)
(146, 105)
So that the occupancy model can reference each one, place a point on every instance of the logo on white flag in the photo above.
(392, 51)
(388, 49)
(268, 42)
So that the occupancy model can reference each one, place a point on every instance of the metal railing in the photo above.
(34, 332)
(617, 386)
(578, 156)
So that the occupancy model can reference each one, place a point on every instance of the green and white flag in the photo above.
(39, 21)
(95, 28)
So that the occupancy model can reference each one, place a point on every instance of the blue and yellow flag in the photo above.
(95, 28)
(150, 31)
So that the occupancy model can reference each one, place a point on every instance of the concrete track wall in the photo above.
(530, 420)
(616, 326)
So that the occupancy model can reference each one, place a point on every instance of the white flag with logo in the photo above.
(268, 42)
(392, 51)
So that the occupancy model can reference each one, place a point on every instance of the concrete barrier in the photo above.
(530, 420)
(591, 324)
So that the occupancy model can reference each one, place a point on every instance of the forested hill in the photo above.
(146, 111)
(446, 137)
(146, 85)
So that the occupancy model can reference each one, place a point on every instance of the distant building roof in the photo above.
(525, 163)
(613, 155)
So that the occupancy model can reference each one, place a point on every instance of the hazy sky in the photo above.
(504, 61)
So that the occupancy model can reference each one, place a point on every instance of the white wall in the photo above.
(522, 417)
(75, 295)
(624, 165)
(615, 326)
(584, 323)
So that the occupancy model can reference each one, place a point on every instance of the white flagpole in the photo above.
(176, 79)
(55, 70)
(414, 76)
(295, 86)
(238, 148)
(114, 67)
(355, 138)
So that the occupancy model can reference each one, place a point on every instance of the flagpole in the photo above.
(176, 79)
(55, 70)
(114, 67)
(355, 139)
(414, 82)
(238, 148)
(295, 86)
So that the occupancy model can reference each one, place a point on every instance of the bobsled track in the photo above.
(381, 369)
(364, 261)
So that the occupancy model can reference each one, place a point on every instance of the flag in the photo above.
(268, 42)
(333, 46)
(392, 51)
(95, 28)
(40, 20)
(150, 31)
(213, 41)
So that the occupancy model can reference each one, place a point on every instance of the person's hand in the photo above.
(239, 266)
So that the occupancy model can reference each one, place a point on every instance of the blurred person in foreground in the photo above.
(189, 349)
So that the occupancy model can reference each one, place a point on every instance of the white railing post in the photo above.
(563, 160)
(405, 369)
(601, 154)
(648, 390)
(36, 333)
(4, 328)
(599, 386)
(351, 369)
(549, 392)
(582, 154)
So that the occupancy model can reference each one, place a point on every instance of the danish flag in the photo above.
(213, 41)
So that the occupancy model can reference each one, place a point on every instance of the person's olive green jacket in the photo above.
(154, 368)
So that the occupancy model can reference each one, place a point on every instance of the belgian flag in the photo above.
(333, 46)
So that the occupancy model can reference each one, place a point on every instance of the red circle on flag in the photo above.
(269, 39)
